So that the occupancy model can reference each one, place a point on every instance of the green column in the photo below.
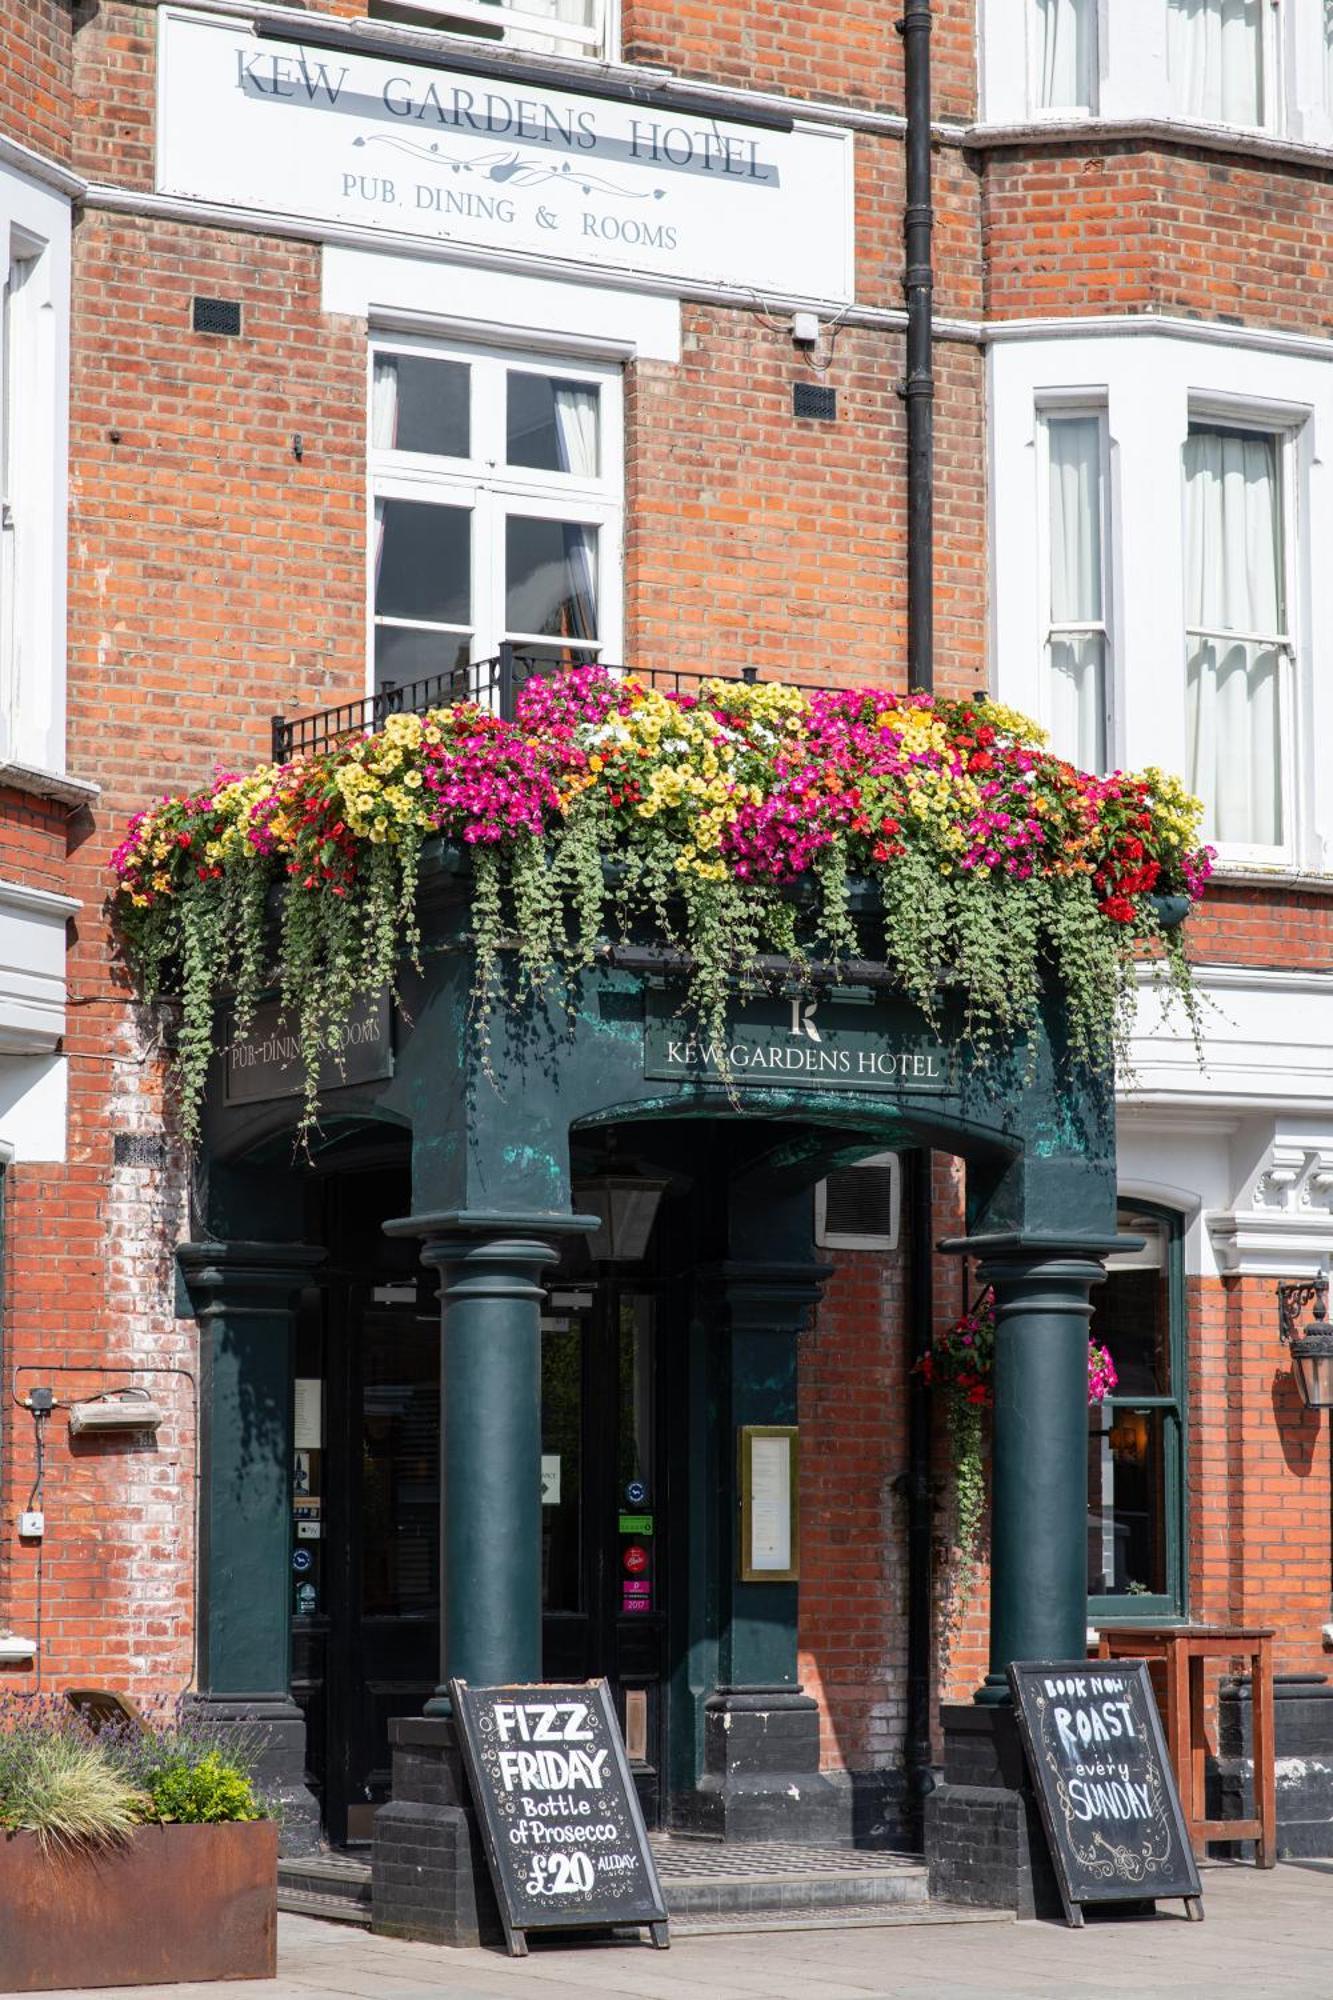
(243, 1295)
(1039, 1494)
(490, 1452)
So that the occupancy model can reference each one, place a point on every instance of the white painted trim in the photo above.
(423, 295)
(37, 167)
(1157, 326)
(1059, 130)
(22, 896)
(33, 1104)
(41, 784)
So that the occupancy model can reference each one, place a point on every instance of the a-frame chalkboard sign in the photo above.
(1104, 1783)
(564, 1835)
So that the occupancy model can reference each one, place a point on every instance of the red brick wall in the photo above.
(32, 840)
(848, 55)
(756, 537)
(1120, 227)
(35, 43)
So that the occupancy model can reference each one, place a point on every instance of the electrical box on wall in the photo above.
(32, 1525)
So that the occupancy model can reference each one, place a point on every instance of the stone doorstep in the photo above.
(703, 1882)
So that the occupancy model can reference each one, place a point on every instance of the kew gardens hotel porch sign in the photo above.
(346, 138)
(844, 1041)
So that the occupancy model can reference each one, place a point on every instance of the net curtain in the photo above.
(1233, 587)
(1215, 60)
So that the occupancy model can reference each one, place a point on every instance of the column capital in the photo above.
(764, 1295)
(256, 1275)
(484, 1223)
(1019, 1250)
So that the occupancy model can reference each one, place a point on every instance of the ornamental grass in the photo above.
(729, 823)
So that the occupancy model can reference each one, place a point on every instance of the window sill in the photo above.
(1286, 875)
(40, 784)
(1052, 131)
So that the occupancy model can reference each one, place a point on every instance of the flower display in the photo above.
(994, 859)
(960, 1364)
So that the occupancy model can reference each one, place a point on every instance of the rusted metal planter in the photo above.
(172, 1903)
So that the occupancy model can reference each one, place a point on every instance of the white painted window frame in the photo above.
(1132, 75)
(492, 490)
(1059, 113)
(34, 454)
(1285, 431)
(1076, 404)
(532, 31)
(1151, 384)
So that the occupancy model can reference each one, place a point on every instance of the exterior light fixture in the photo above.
(123, 1410)
(626, 1207)
(1312, 1345)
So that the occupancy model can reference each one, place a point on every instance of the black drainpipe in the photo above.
(918, 390)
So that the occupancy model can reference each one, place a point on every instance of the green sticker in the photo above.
(636, 1524)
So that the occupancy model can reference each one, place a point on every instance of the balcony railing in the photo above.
(491, 683)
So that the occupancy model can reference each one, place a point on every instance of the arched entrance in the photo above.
(504, 1129)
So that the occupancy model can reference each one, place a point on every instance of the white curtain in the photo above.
(576, 427)
(1215, 60)
(1077, 659)
(384, 404)
(379, 542)
(576, 422)
(1066, 71)
(1233, 585)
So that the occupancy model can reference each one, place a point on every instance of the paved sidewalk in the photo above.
(1265, 1934)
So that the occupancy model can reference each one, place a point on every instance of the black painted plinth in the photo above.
(983, 1834)
(1303, 1748)
(277, 1724)
(429, 1878)
(761, 1771)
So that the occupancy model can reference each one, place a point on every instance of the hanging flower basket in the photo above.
(960, 1364)
(728, 823)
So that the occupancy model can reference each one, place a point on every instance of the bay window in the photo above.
(1237, 647)
(34, 401)
(1258, 65)
(497, 505)
(1136, 1438)
(1077, 676)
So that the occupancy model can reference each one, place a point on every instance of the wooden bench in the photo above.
(1183, 1652)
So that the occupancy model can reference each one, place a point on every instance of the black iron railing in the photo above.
(493, 683)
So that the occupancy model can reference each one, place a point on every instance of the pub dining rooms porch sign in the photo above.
(337, 136)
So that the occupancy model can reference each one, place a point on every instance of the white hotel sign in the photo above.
(346, 138)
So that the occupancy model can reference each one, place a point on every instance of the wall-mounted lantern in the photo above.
(1311, 1345)
(626, 1206)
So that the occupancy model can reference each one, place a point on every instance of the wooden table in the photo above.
(1183, 1653)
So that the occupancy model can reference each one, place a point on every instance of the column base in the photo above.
(761, 1772)
(280, 1771)
(429, 1878)
(983, 1834)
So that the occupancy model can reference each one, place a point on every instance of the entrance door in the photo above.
(603, 1510)
(384, 1642)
